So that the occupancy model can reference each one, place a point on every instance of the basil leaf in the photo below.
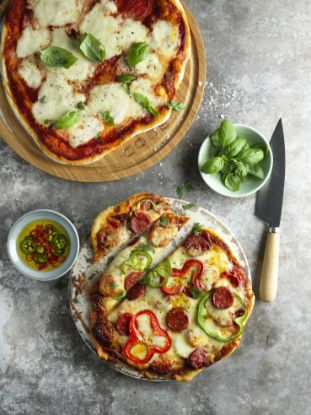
(120, 296)
(145, 103)
(234, 148)
(189, 206)
(92, 48)
(137, 53)
(67, 120)
(108, 118)
(256, 171)
(229, 167)
(213, 165)
(214, 137)
(179, 192)
(241, 170)
(227, 133)
(57, 57)
(114, 285)
(232, 182)
(126, 80)
(251, 155)
(176, 106)
(80, 106)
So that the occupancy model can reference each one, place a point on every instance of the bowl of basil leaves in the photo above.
(235, 160)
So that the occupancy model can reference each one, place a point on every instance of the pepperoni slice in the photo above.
(199, 359)
(177, 319)
(135, 292)
(136, 9)
(123, 323)
(132, 279)
(139, 222)
(222, 298)
(196, 245)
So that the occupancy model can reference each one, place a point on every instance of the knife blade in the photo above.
(269, 209)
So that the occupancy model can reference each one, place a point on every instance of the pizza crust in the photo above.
(125, 137)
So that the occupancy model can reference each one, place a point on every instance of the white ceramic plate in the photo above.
(84, 273)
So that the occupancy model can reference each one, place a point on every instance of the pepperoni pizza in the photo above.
(170, 316)
(84, 76)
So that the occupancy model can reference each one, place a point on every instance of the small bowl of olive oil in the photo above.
(43, 245)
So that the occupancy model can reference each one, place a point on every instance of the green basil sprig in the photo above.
(92, 48)
(57, 57)
(137, 53)
(235, 159)
(67, 120)
(145, 103)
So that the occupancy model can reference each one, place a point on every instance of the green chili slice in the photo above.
(40, 249)
(59, 241)
(40, 259)
(159, 276)
(28, 245)
(202, 317)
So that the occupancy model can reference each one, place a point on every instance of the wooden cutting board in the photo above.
(138, 154)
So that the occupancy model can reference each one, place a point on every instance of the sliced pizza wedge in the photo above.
(116, 225)
(190, 312)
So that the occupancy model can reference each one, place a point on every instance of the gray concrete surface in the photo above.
(259, 62)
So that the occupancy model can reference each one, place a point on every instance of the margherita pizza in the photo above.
(170, 316)
(84, 76)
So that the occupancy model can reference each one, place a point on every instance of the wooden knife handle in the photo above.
(270, 267)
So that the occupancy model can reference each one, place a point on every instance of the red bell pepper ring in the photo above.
(136, 337)
(191, 263)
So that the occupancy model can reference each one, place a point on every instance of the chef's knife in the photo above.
(269, 209)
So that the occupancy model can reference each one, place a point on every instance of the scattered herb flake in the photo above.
(114, 285)
(44, 99)
(80, 106)
(189, 206)
(163, 220)
(189, 186)
(197, 229)
(179, 192)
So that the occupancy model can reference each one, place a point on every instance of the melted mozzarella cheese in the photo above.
(109, 6)
(80, 70)
(150, 66)
(113, 98)
(182, 346)
(132, 32)
(217, 257)
(83, 131)
(60, 98)
(105, 28)
(31, 41)
(56, 12)
(165, 38)
(30, 72)
(143, 86)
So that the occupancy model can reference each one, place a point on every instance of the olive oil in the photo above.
(26, 232)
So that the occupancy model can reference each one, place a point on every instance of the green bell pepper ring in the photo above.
(203, 315)
(159, 276)
(134, 262)
(28, 245)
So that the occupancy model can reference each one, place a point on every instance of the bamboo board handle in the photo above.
(270, 267)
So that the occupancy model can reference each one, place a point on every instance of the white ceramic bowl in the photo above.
(44, 214)
(252, 184)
